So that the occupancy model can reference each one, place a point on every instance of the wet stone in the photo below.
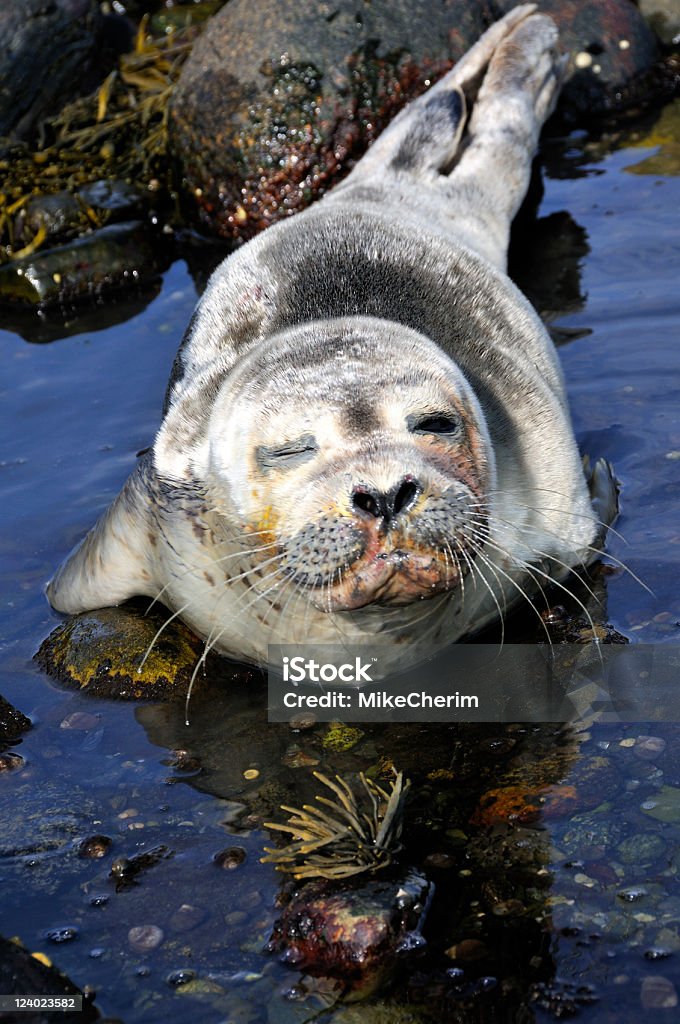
(63, 934)
(110, 258)
(664, 806)
(79, 720)
(468, 950)
(49, 51)
(180, 977)
(187, 917)
(12, 722)
(649, 748)
(145, 937)
(94, 847)
(277, 100)
(11, 762)
(103, 652)
(354, 933)
(641, 849)
(230, 858)
(658, 993)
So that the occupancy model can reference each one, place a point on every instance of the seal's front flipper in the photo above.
(111, 563)
(604, 494)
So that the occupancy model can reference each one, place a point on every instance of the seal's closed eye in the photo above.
(289, 454)
(438, 423)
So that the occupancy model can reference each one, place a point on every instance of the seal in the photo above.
(365, 434)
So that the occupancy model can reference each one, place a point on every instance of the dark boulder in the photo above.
(51, 52)
(278, 100)
(611, 45)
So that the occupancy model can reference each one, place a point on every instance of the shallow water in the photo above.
(596, 921)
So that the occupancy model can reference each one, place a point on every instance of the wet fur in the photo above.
(404, 263)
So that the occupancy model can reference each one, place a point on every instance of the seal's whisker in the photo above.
(160, 631)
(562, 511)
(599, 552)
(513, 582)
(199, 569)
(473, 565)
(544, 554)
(530, 569)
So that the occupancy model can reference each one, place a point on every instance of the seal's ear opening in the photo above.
(111, 563)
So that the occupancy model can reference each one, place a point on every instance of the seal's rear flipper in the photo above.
(424, 137)
(109, 565)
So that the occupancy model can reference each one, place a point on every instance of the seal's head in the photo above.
(363, 476)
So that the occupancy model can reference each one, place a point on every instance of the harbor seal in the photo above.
(365, 434)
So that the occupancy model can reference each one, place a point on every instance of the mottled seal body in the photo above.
(366, 433)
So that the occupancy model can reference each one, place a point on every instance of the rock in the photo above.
(641, 850)
(277, 101)
(50, 53)
(22, 972)
(12, 722)
(664, 805)
(609, 44)
(355, 933)
(66, 214)
(664, 18)
(103, 261)
(102, 651)
(658, 993)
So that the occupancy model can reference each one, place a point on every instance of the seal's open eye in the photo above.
(288, 454)
(436, 423)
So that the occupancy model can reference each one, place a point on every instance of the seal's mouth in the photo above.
(391, 578)
(343, 563)
(387, 573)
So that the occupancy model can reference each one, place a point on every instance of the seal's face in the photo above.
(362, 482)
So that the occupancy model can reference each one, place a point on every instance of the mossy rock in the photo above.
(105, 652)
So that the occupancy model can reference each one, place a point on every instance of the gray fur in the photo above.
(390, 290)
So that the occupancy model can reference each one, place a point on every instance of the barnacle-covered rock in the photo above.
(277, 100)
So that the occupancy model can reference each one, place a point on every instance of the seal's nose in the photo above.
(386, 505)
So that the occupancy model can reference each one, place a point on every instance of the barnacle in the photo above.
(358, 832)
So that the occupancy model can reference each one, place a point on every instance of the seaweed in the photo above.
(359, 832)
(117, 132)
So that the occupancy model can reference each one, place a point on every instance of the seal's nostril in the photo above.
(371, 503)
(405, 495)
(380, 505)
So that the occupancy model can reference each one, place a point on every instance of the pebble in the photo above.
(658, 993)
(648, 748)
(230, 858)
(79, 720)
(94, 847)
(145, 937)
(10, 762)
(187, 917)
(58, 935)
